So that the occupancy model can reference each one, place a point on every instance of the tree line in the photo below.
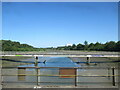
(8, 45)
(108, 46)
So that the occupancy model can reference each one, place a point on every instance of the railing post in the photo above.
(109, 73)
(37, 76)
(75, 77)
(113, 76)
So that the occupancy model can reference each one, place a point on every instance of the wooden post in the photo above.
(75, 77)
(113, 77)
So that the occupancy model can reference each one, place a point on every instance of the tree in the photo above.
(80, 47)
(73, 47)
(110, 46)
(8, 45)
(91, 46)
(68, 48)
(117, 47)
(98, 46)
(85, 45)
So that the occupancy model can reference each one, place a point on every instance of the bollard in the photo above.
(36, 61)
(113, 76)
(36, 57)
(88, 60)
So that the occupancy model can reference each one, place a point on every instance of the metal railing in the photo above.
(74, 75)
(71, 74)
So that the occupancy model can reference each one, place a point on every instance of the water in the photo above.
(42, 80)
(54, 62)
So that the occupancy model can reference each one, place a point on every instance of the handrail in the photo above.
(61, 75)
(64, 55)
(74, 76)
(63, 67)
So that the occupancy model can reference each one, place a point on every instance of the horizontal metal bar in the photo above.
(61, 75)
(115, 61)
(62, 67)
(55, 82)
(66, 55)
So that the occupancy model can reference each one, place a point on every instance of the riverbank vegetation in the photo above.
(8, 45)
(108, 46)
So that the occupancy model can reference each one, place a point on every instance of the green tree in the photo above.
(86, 45)
(68, 47)
(98, 46)
(73, 47)
(117, 47)
(110, 46)
(80, 47)
(8, 45)
(91, 46)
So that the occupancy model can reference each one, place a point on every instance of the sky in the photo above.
(52, 24)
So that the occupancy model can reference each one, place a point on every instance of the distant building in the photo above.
(69, 44)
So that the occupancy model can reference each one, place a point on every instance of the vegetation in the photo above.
(108, 46)
(8, 45)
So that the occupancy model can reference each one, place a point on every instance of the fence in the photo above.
(69, 76)
(64, 72)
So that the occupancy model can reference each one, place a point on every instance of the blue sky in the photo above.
(45, 24)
